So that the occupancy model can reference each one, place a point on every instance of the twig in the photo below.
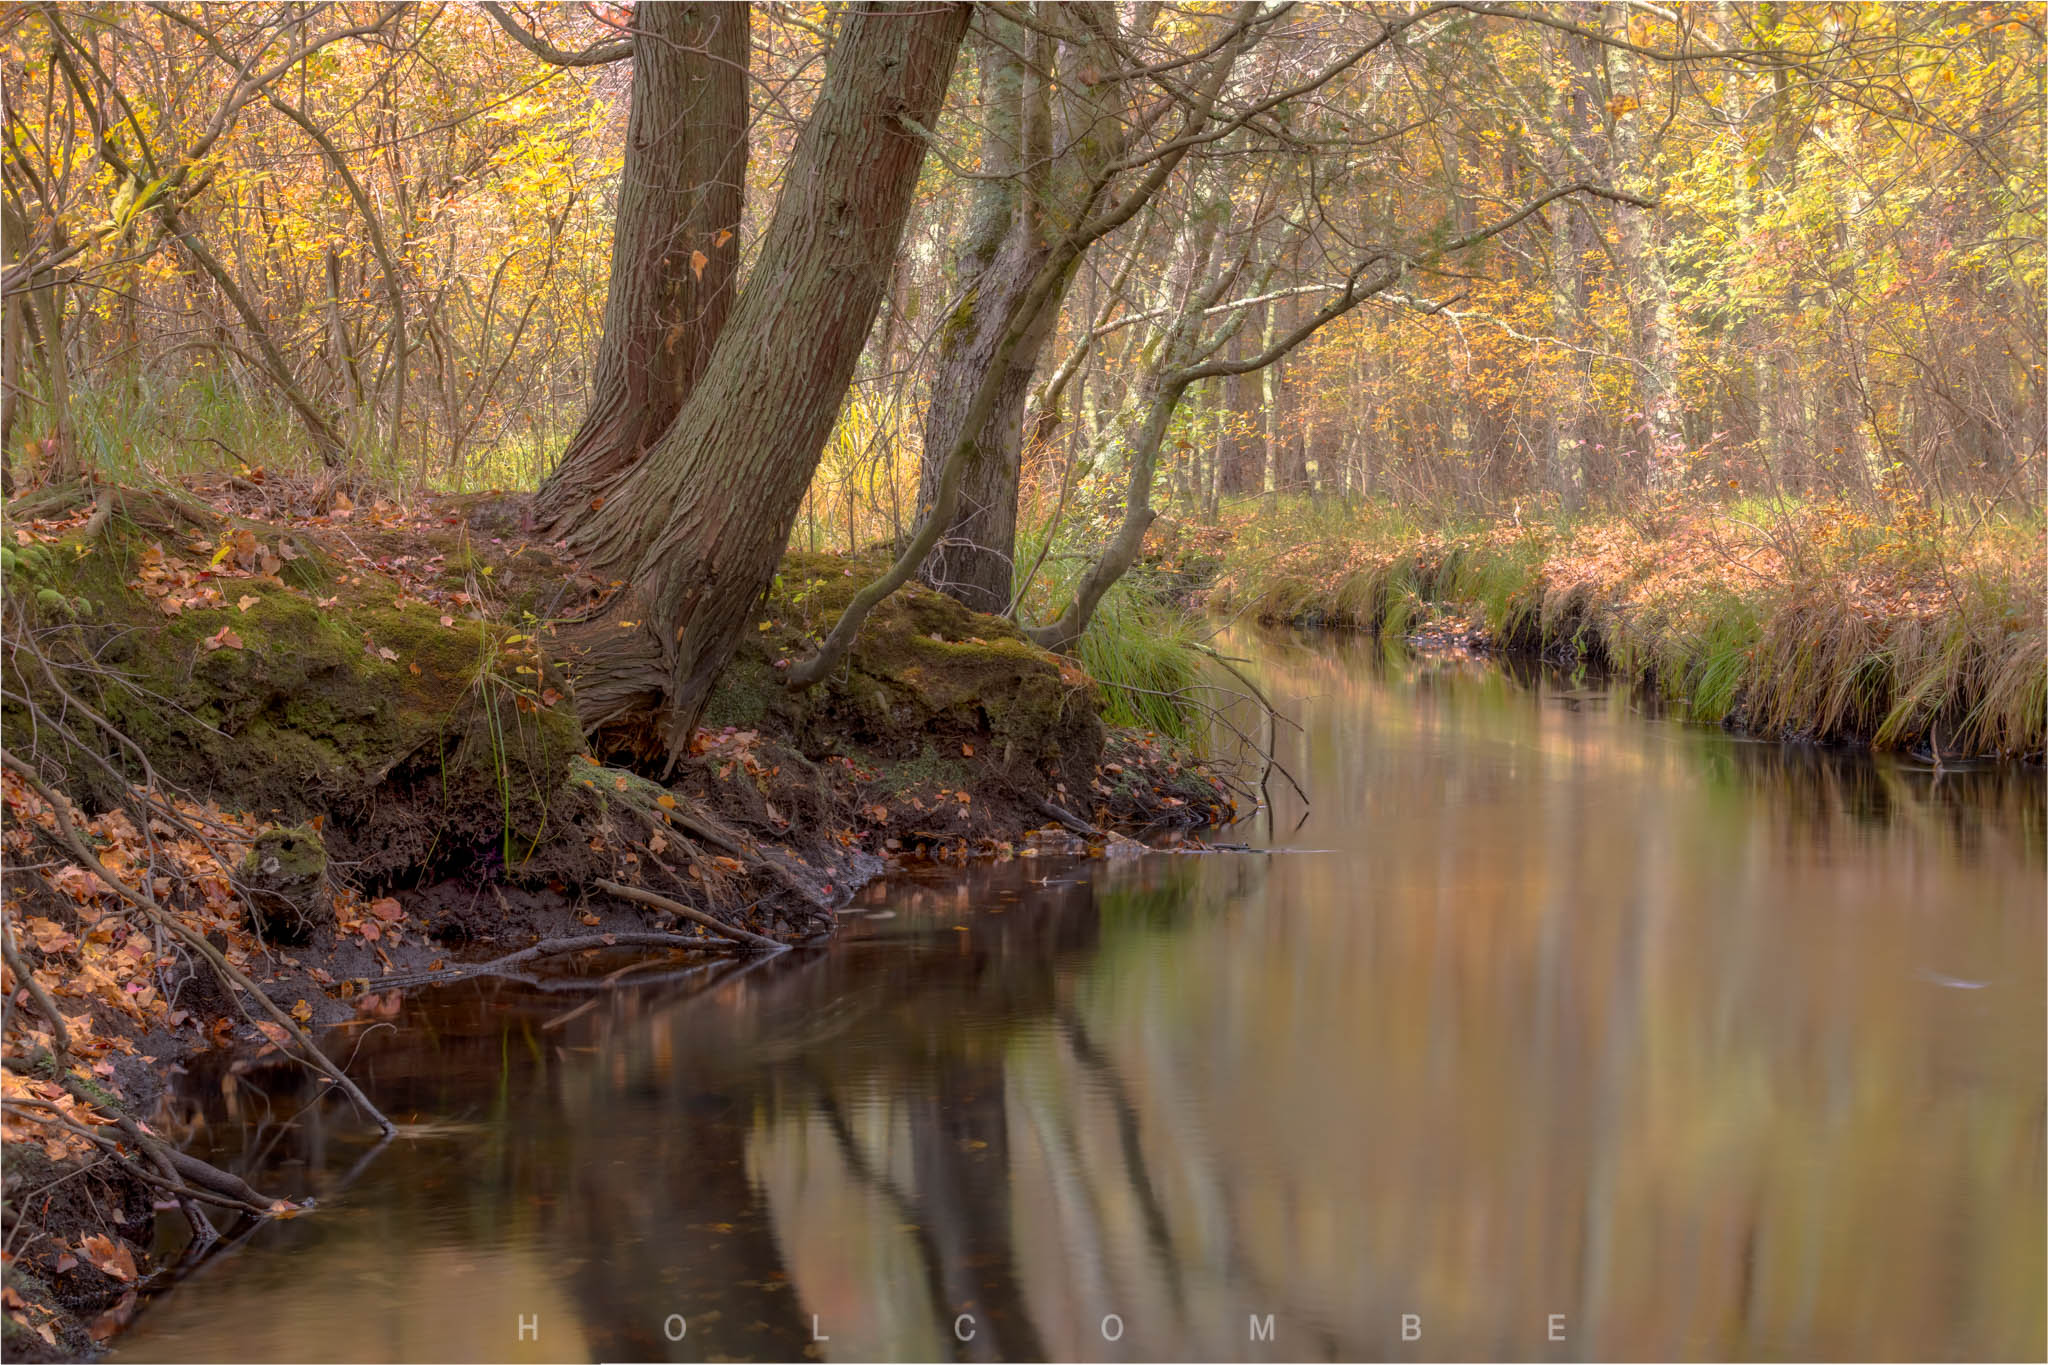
(689, 912)
(27, 980)
(549, 947)
(68, 833)
(1073, 822)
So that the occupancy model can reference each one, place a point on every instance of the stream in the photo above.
(1554, 1030)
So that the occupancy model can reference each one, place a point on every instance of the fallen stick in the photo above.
(746, 850)
(691, 912)
(1073, 822)
(547, 947)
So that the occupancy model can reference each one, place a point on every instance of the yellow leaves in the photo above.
(246, 602)
(698, 260)
(302, 1012)
(665, 801)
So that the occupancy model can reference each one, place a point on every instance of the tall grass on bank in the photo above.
(1903, 627)
(1141, 647)
(127, 429)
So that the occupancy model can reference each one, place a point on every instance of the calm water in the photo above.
(1710, 1048)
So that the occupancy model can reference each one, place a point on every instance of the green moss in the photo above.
(924, 668)
(416, 736)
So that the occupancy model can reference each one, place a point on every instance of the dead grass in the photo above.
(1903, 627)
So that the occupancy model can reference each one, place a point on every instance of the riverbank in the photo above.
(267, 742)
(1814, 622)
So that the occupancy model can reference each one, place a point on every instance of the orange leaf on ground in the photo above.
(108, 1256)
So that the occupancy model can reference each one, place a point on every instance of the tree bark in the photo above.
(675, 247)
(697, 526)
(1015, 226)
(1572, 240)
(1653, 314)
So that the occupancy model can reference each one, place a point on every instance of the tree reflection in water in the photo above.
(1580, 1013)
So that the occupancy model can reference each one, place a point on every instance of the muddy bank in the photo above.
(337, 746)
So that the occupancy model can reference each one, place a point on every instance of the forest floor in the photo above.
(1901, 627)
(263, 740)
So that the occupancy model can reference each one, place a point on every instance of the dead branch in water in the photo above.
(758, 942)
(555, 947)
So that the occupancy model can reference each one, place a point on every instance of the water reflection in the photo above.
(1711, 1048)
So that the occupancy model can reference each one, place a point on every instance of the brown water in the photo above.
(1710, 1048)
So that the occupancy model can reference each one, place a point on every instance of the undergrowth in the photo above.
(1140, 647)
(1902, 625)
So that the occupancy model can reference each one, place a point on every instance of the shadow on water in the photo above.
(1711, 1048)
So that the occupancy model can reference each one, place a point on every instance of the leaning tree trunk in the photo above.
(675, 246)
(1016, 225)
(697, 526)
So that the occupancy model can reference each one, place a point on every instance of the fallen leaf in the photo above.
(447, 620)
(109, 1256)
(387, 909)
(248, 602)
(388, 655)
(302, 1012)
(665, 801)
(224, 638)
(590, 919)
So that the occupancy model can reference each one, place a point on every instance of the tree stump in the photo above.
(285, 874)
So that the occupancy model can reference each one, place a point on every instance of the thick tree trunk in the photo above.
(1016, 225)
(697, 526)
(675, 245)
